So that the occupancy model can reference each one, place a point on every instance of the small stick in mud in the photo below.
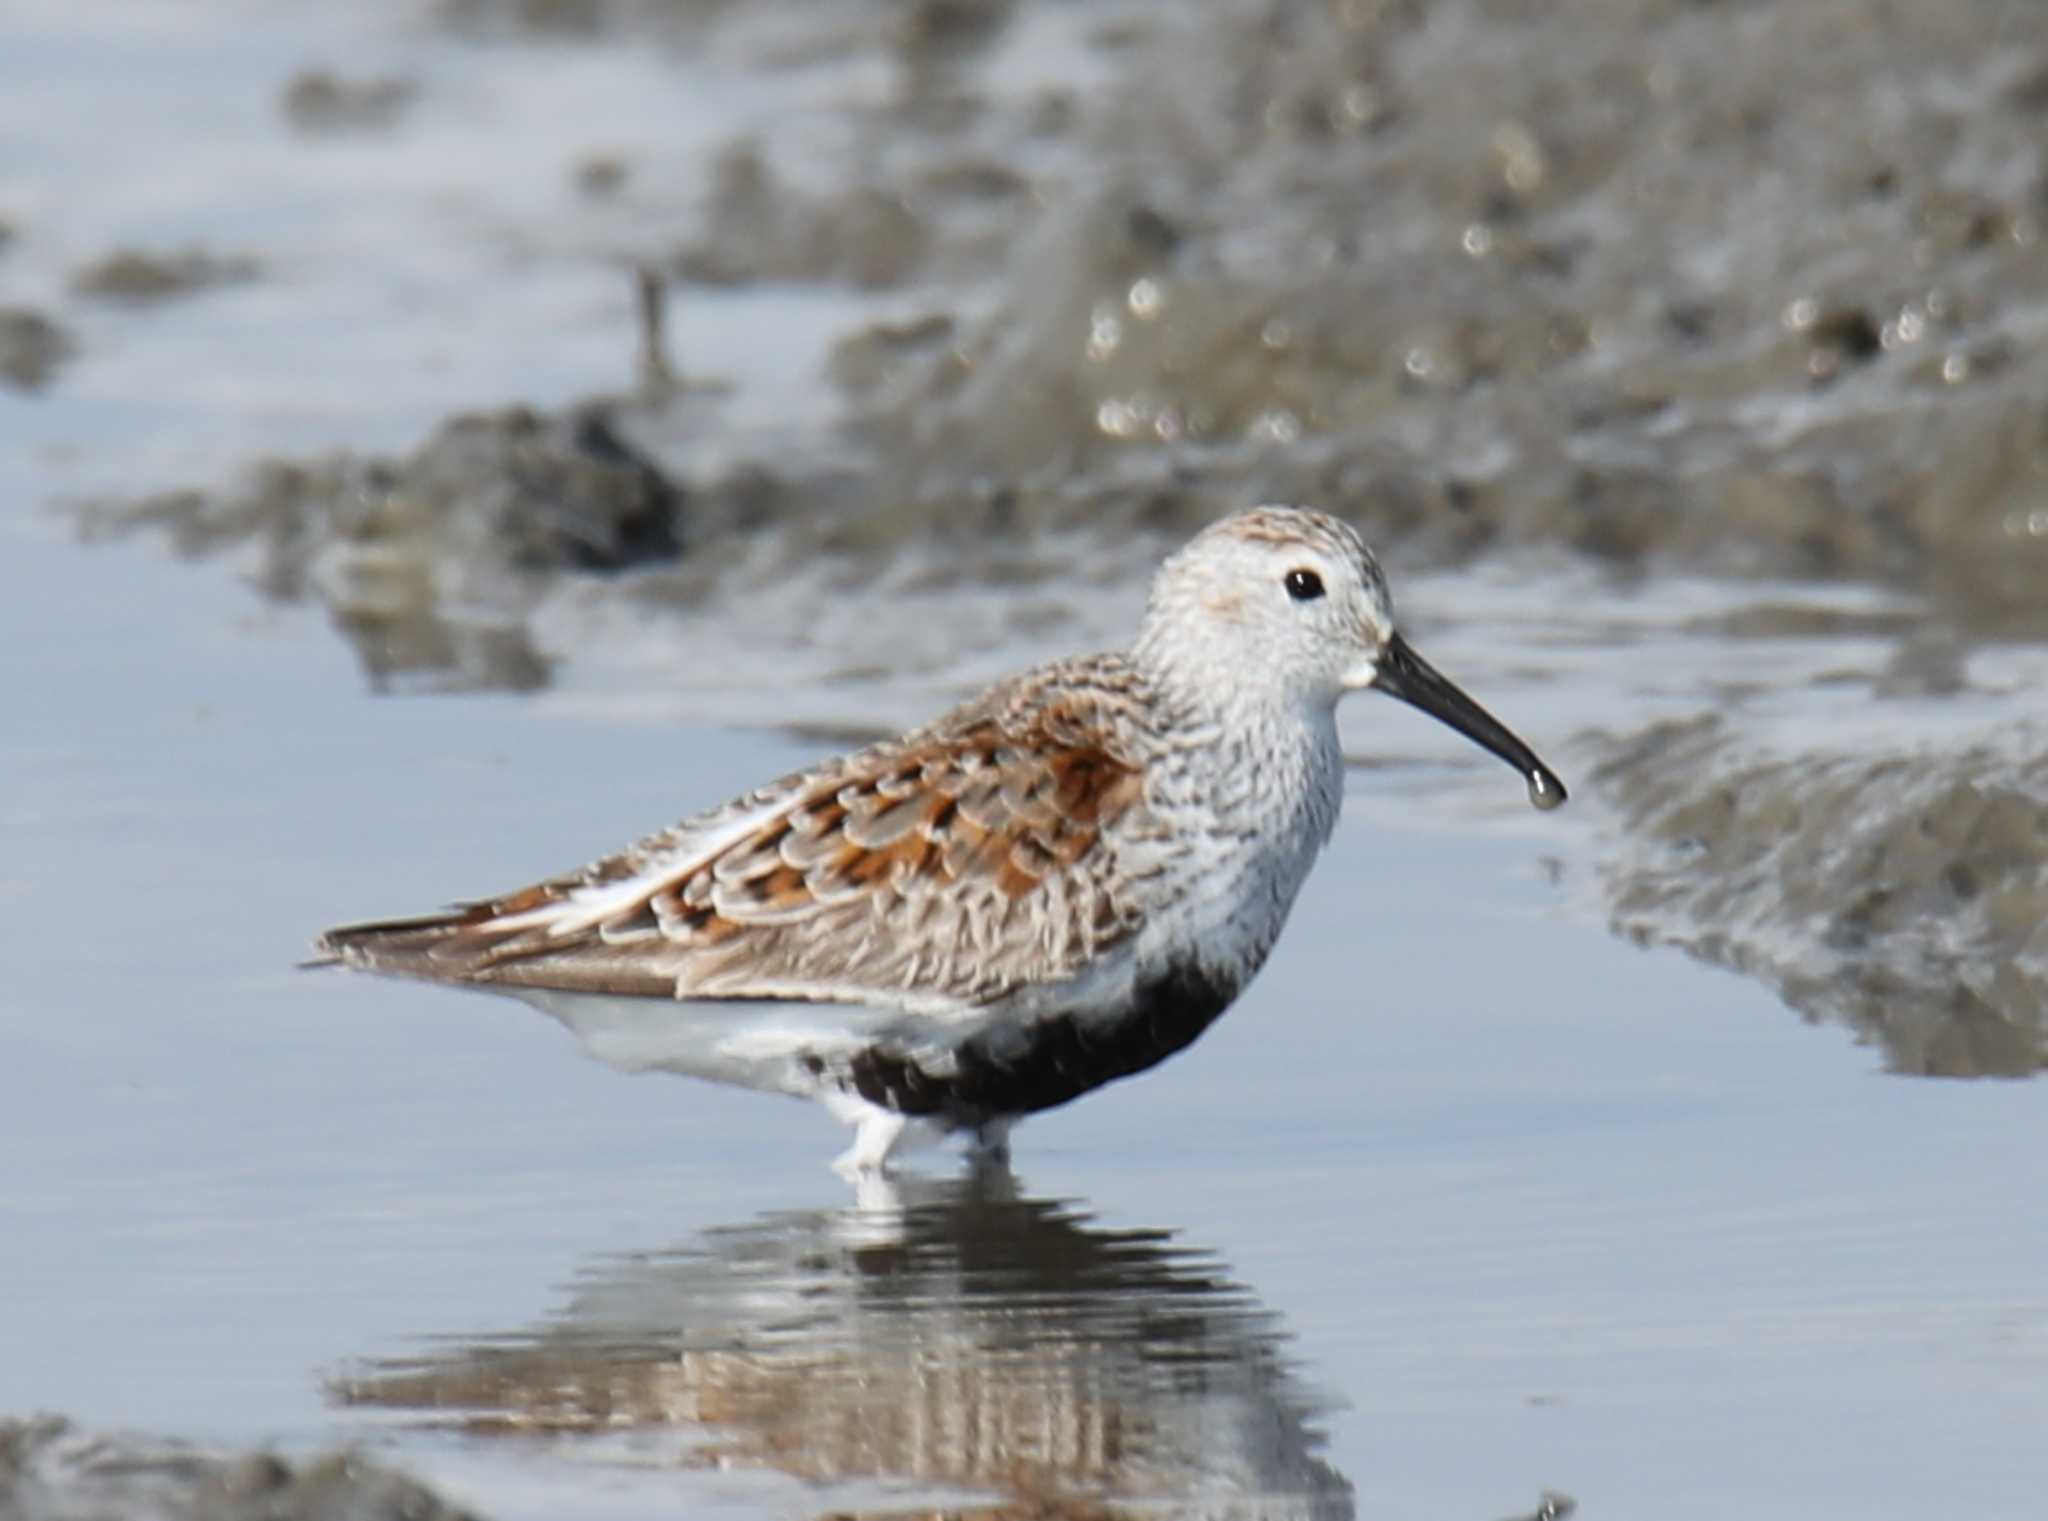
(657, 376)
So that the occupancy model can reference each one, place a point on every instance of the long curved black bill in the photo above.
(1404, 674)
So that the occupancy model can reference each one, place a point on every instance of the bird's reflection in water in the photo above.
(949, 1337)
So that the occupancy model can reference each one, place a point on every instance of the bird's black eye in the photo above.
(1303, 585)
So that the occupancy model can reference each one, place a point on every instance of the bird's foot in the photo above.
(868, 1156)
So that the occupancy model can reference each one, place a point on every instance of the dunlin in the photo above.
(1061, 883)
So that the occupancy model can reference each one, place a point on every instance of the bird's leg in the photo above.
(879, 1131)
(989, 1151)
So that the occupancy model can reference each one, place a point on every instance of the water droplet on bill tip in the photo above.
(1545, 790)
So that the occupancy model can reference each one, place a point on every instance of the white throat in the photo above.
(1251, 818)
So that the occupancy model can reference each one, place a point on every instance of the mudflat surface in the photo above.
(362, 547)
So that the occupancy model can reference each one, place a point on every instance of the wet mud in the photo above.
(1744, 288)
(1586, 317)
(143, 275)
(52, 1470)
(430, 563)
(318, 100)
(32, 348)
(1901, 892)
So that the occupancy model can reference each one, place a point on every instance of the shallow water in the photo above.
(1469, 1200)
(1465, 1201)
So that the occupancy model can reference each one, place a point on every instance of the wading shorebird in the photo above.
(1059, 884)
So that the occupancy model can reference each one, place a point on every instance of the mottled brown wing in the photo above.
(940, 870)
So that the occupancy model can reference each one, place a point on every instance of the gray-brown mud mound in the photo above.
(1749, 288)
(1903, 893)
(52, 1471)
(142, 275)
(32, 348)
(429, 563)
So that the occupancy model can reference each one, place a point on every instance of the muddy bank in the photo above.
(1742, 288)
(1903, 893)
(51, 1470)
(318, 100)
(143, 276)
(1753, 289)
(32, 348)
(430, 564)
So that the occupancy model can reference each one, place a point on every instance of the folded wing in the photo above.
(935, 872)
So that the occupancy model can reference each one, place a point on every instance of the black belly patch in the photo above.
(1063, 1059)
